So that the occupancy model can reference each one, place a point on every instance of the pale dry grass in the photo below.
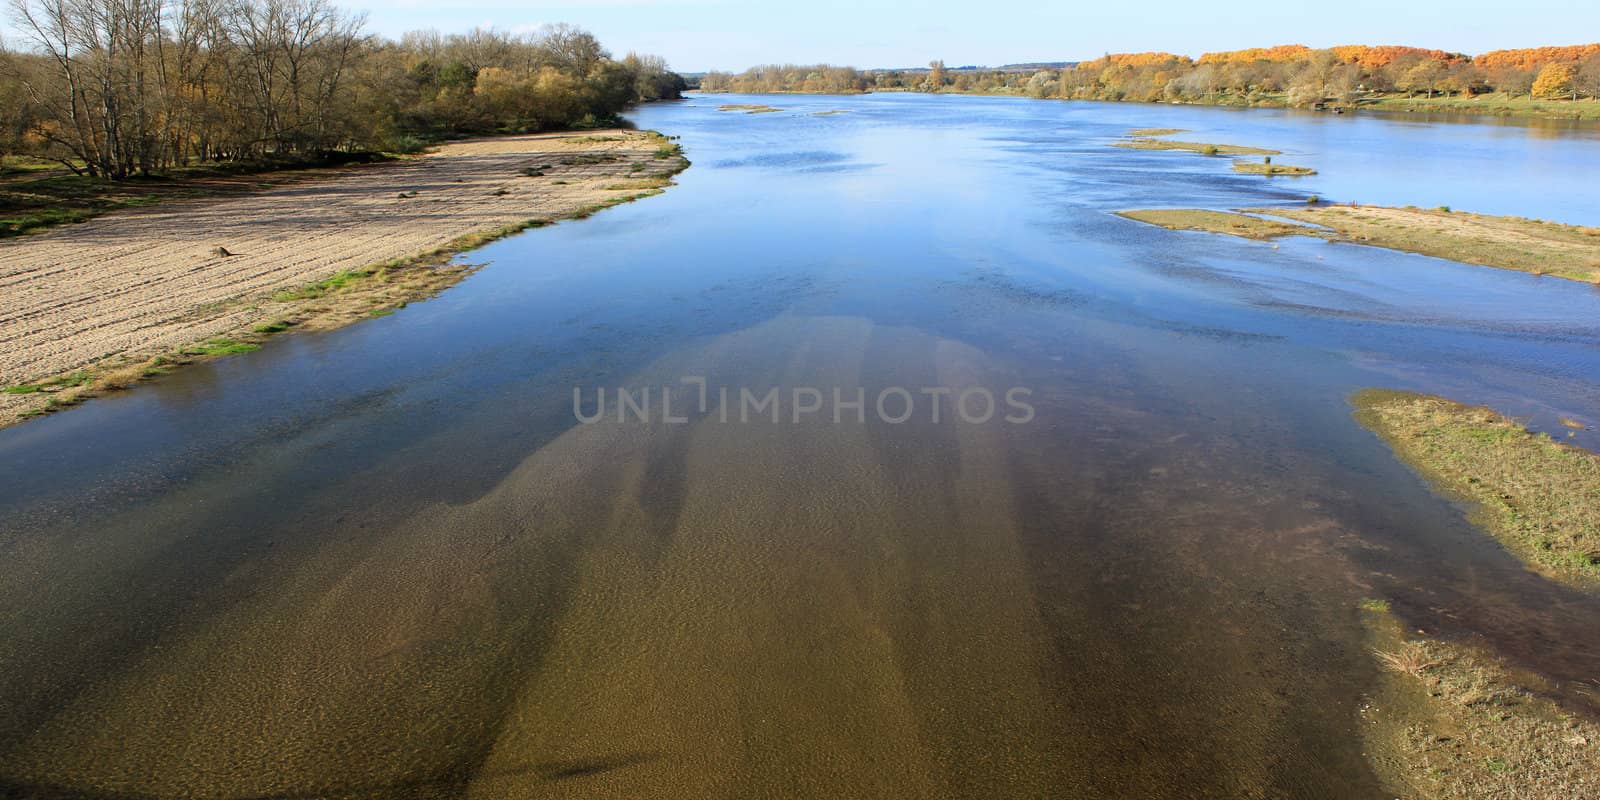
(1197, 219)
(1452, 721)
(1515, 243)
(1195, 147)
(1411, 658)
(1528, 245)
(1271, 170)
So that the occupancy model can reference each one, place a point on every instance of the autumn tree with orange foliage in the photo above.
(1556, 80)
(1298, 75)
(1534, 58)
(1289, 74)
(1282, 52)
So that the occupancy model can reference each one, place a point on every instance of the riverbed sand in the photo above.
(157, 278)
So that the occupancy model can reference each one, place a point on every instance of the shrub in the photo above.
(407, 146)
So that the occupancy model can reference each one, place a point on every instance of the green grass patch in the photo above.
(221, 346)
(323, 287)
(1491, 104)
(14, 165)
(273, 327)
(68, 381)
(1539, 497)
(46, 218)
(1149, 132)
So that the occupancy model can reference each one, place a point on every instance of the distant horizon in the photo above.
(729, 36)
(697, 36)
(951, 66)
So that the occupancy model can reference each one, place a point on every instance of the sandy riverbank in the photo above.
(115, 293)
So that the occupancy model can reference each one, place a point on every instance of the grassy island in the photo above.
(1539, 497)
(1515, 243)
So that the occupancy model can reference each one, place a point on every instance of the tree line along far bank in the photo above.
(117, 88)
(1293, 75)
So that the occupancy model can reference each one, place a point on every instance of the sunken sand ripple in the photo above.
(695, 603)
(735, 610)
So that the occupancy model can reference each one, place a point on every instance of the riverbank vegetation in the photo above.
(1449, 720)
(788, 79)
(105, 89)
(1543, 81)
(1527, 245)
(1538, 496)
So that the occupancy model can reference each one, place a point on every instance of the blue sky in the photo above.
(695, 35)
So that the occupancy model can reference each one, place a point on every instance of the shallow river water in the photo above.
(388, 561)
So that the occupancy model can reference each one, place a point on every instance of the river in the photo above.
(390, 561)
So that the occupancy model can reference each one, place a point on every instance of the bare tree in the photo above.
(119, 87)
(570, 49)
(60, 90)
(294, 53)
(1588, 78)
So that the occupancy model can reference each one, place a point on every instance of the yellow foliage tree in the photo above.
(1556, 80)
